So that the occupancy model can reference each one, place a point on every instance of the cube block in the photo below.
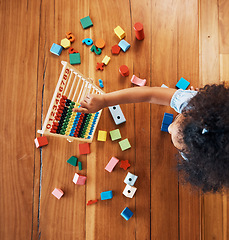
(112, 163)
(84, 148)
(41, 141)
(115, 134)
(58, 193)
(129, 191)
(130, 179)
(182, 84)
(86, 22)
(74, 58)
(79, 179)
(56, 49)
(119, 32)
(125, 144)
(106, 195)
(167, 120)
(127, 213)
(102, 136)
(106, 60)
(117, 114)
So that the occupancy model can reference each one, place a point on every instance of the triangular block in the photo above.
(73, 161)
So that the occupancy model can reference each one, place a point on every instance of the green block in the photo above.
(74, 58)
(86, 22)
(80, 165)
(72, 160)
(115, 134)
(125, 144)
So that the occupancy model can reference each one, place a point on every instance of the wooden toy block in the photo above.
(129, 191)
(88, 41)
(65, 43)
(58, 193)
(106, 195)
(99, 66)
(124, 71)
(97, 51)
(100, 43)
(115, 134)
(79, 179)
(41, 141)
(80, 166)
(70, 37)
(139, 31)
(73, 161)
(106, 60)
(72, 50)
(164, 86)
(130, 179)
(74, 58)
(84, 148)
(112, 163)
(125, 144)
(182, 84)
(90, 202)
(56, 49)
(124, 45)
(138, 81)
(86, 22)
(102, 136)
(124, 164)
(119, 32)
(101, 83)
(115, 49)
(167, 120)
(127, 213)
(117, 114)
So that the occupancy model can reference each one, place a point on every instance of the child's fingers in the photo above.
(80, 109)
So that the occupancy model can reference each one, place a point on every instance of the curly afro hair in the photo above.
(205, 132)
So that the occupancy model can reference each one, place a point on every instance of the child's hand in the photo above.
(91, 103)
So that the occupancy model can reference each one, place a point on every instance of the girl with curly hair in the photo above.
(200, 132)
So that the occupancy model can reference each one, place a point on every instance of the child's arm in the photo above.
(157, 95)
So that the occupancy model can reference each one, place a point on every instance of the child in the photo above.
(200, 132)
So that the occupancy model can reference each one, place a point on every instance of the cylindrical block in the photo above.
(139, 31)
(124, 71)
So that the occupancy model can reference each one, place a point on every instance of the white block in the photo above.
(117, 114)
(129, 191)
(130, 179)
(164, 86)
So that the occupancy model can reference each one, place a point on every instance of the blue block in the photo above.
(106, 195)
(124, 45)
(126, 213)
(167, 119)
(56, 49)
(164, 128)
(182, 84)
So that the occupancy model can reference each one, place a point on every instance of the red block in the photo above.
(139, 31)
(84, 148)
(92, 201)
(124, 164)
(99, 66)
(115, 49)
(124, 70)
(41, 141)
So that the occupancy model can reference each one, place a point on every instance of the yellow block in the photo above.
(106, 60)
(65, 43)
(119, 32)
(102, 136)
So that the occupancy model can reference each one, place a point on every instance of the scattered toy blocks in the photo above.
(86, 22)
(115, 49)
(129, 191)
(102, 136)
(106, 195)
(125, 144)
(56, 49)
(182, 84)
(70, 37)
(41, 141)
(80, 166)
(167, 120)
(74, 58)
(112, 163)
(101, 83)
(73, 161)
(58, 193)
(99, 66)
(65, 43)
(130, 179)
(124, 45)
(127, 213)
(139, 31)
(106, 60)
(84, 148)
(79, 179)
(124, 164)
(119, 32)
(117, 114)
(88, 41)
(115, 134)
(100, 43)
(138, 81)
(90, 202)
(124, 71)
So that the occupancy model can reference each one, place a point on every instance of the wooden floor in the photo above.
(183, 38)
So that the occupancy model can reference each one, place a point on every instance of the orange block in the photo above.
(100, 43)
(41, 141)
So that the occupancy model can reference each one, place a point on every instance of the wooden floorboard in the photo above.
(182, 39)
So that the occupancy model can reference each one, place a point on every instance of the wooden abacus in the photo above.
(60, 120)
